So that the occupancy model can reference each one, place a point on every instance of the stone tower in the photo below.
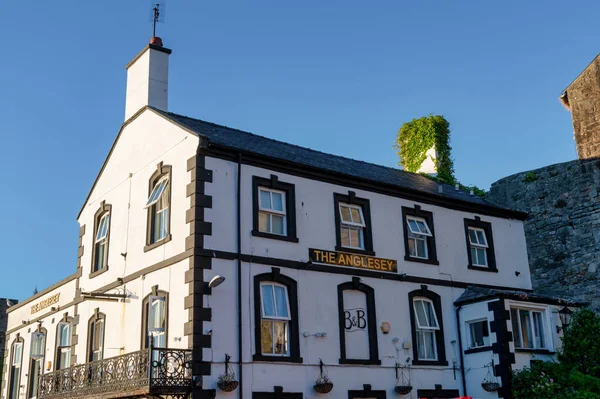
(582, 98)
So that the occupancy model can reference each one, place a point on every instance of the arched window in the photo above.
(159, 208)
(64, 331)
(101, 239)
(37, 353)
(96, 326)
(276, 318)
(16, 360)
(155, 316)
(427, 327)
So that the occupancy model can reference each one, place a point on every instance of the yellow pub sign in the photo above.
(45, 303)
(352, 260)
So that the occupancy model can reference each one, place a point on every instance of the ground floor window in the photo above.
(528, 327)
(478, 333)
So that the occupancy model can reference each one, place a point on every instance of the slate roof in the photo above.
(477, 294)
(248, 142)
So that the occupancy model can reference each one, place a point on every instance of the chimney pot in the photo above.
(157, 41)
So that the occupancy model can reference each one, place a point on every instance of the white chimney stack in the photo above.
(148, 78)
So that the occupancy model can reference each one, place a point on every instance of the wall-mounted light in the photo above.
(216, 281)
(385, 327)
(565, 315)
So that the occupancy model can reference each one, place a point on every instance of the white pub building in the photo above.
(214, 262)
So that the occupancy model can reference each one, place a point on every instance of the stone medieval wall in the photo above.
(3, 322)
(563, 230)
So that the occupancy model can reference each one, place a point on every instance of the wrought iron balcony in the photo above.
(165, 372)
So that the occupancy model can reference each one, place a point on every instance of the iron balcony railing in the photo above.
(157, 371)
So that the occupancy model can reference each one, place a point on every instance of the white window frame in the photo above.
(416, 236)
(103, 224)
(270, 211)
(19, 346)
(35, 336)
(157, 191)
(426, 329)
(99, 338)
(478, 245)
(470, 334)
(352, 225)
(426, 233)
(545, 326)
(273, 284)
(66, 349)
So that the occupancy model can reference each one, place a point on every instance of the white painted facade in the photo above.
(148, 139)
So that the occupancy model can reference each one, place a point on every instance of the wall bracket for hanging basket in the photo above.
(227, 381)
(323, 383)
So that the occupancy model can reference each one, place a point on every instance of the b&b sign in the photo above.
(355, 319)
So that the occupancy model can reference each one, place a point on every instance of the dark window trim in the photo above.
(290, 207)
(364, 203)
(366, 392)
(161, 171)
(97, 316)
(42, 330)
(144, 336)
(356, 285)
(491, 254)
(439, 335)
(477, 350)
(65, 319)
(104, 208)
(438, 392)
(11, 387)
(277, 394)
(292, 289)
(431, 249)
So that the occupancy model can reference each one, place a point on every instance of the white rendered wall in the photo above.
(147, 82)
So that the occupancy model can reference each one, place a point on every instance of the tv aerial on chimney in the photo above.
(157, 13)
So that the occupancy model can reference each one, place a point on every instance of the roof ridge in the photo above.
(307, 148)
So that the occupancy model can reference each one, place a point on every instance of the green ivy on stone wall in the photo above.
(416, 137)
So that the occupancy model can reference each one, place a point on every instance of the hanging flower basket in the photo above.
(227, 383)
(403, 389)
(323, 387)
(490, 386)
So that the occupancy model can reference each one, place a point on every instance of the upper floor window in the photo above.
(63, 344)
(158, 205)
(419, 235)
(418, 231)
(36, 355)
(480, 245)
(276, 318)
(427, 327)
(155, 318)
(96, 327)
(478, 333)
(101, 239)
(528, 328)
(15, 368)
(274, 209)
(353, 224)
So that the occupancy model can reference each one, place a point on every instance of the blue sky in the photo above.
(337, 76)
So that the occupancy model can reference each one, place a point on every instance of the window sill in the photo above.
(418, 260)
(482, 269)
(98, 272)
(339, 248)
(429, 363)
(150, 247)
(257, 233)
(538, 351)
(376, 362)
(277, 359)
(478, 349)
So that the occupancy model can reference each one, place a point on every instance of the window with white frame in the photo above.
(528, 327)
(478, 333)
(352, 226)
(96, 339)
(275, 319)
(418, 231)
(158, 204)
(479, 246)
(63, 345)
(101, 242)
(36, 354)
(157, 320)
(426, 328)
(15, 370)
(272, 211)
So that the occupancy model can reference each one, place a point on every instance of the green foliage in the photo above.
(416, 137)
(530, 177)
(581, 343)
(578, 374)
